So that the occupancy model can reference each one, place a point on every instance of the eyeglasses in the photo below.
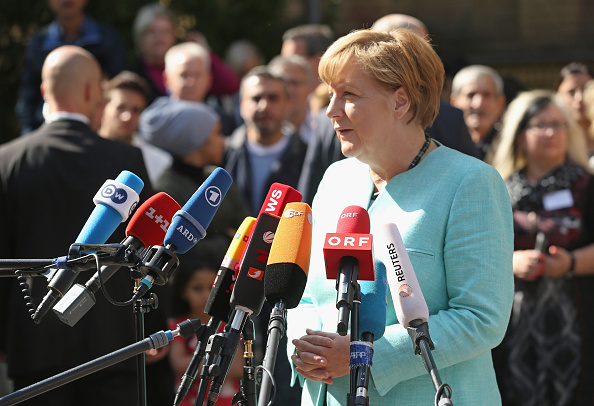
(555, 126)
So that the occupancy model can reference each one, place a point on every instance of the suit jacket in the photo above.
(285, 171)
(323, 149)
(450, 129)
(455, 218)
(47, 183)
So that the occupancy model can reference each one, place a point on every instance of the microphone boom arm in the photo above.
(422, 343)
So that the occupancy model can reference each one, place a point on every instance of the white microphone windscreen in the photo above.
(409, 302)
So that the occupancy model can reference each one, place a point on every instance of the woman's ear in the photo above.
(401, 102)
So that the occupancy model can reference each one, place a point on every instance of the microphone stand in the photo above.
(156, 340)
(354, 337)
(277, 325)
(142, 306)
(247, 396)
(211, 328)
(419, 333)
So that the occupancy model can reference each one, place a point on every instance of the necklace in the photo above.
(421, 152)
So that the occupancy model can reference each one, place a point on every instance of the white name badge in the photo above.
(560, 199)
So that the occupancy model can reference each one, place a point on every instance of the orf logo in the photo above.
(116, 195)
(213, 196)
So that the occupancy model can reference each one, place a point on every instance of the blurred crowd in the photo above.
(184, 110)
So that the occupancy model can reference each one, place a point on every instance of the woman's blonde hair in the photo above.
(397, 58)
(508, 157)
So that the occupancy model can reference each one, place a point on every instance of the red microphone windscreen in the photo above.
(352, 238)
(151, 220)
(278, 197)
(353, 220)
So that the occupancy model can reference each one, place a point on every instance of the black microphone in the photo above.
(146, 227)
(284, 280)
(115, 201)
(217, 306)
(188, 226)
(247, 297)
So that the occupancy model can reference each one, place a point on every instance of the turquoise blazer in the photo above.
(455, 218)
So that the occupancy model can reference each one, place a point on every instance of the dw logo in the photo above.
(116, 195)
(213, 196)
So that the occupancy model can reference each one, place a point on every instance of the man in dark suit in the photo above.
(47, 183)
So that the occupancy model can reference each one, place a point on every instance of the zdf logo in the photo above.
(117, 195)
(290, 213)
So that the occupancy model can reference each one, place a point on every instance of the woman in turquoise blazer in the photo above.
(452, 211)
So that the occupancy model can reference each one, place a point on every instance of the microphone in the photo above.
(371, 321)
(277, 198)
(187, 227)
(348, 255)
(288, 263)
(146, 227)
(217, 306)
(284, 280)
(247, 297)
(218, 303)
(409, 303)
(114, 201)
(250, 279)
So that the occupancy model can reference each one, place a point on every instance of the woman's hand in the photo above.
(558, 262)
(529, 264)
(321, 356)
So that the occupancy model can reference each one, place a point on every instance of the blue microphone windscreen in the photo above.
(104, 219)
(130, 180)
(189, 225)
(372, 311)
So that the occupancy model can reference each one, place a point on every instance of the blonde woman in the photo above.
(545, 356)
(452, 211)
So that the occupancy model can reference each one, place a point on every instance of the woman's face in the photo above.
(361, 110)
(571, 91)
(545, 137)
(156, 40)
(197, 290)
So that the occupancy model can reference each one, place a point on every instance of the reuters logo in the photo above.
(404, 290)
(268, 237)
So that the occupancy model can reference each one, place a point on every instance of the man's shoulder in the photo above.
(237, 139)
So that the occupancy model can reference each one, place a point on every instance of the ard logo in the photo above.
(213, 196)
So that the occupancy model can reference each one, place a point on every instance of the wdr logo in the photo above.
(116, 195)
